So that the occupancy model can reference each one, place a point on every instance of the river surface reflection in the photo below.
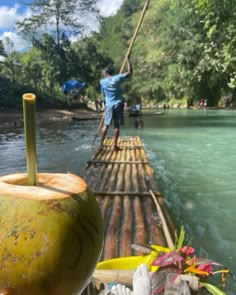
(191, 151)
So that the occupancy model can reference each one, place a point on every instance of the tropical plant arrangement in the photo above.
(194, 270)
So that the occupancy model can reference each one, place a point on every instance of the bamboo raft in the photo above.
(132, 207)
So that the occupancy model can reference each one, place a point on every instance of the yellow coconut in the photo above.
(51, 235)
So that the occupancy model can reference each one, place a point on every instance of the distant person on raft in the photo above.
(114, 105)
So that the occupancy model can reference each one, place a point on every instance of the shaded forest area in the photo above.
(185, 51)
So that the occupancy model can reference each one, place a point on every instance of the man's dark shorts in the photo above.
(114, 113)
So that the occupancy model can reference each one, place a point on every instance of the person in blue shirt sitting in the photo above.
(114, 105)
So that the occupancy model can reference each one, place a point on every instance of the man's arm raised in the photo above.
(129, 66)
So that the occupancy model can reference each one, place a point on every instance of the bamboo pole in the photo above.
(141, 175)
(97, 131)
(135, 35)
(126, 229)
(108, 172)
(166, 212)
(124, 277)
(104, 207)
(128, 177)
(129, 146)
(29, 109)
(105, 215)
(100, 184)
(156, 233)
(123, 193)
(97, 170)
(163, 221)
(120, 175)
(148, 172)
(139, 221)
(117, 183)
(134, 173)
(113, 175)
(117, 162)
(125, 243)
(110, 250)
(141, 178)
(149, 181)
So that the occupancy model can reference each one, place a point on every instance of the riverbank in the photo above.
(15, 118)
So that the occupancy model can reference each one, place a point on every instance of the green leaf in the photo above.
(181, 238)
(212, 289)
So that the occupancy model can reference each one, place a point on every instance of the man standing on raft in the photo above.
(111, 90)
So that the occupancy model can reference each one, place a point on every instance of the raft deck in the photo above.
(132, 207)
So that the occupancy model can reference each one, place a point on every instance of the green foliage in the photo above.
(11, 96)
(184, 49)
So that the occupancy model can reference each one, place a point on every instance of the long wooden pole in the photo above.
(125, 60)
(98, 130)
(135, 35)
(169, 240)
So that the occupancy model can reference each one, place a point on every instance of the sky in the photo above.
(12, 11)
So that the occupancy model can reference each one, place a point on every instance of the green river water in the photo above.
(192, 153)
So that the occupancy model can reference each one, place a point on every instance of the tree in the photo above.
(2, 50)
(58, 17)
(11, 66)
(217, 64)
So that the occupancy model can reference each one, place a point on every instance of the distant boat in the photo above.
(133, 111)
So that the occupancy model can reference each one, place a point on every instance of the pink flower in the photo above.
(186, 250)
(206, 267)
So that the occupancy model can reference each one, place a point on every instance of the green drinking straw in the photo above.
(29, 110)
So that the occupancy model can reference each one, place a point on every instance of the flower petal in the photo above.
(167, 259)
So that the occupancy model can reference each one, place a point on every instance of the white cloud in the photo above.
(18, 42)
(8, 17)
(109, 7)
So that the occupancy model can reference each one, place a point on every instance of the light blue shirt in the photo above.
(111, 89)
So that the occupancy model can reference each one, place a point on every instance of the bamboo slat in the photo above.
(134, 174)
(139, 223)
(123, 193)
(118, 162)
(110, 250)
(126, 228)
